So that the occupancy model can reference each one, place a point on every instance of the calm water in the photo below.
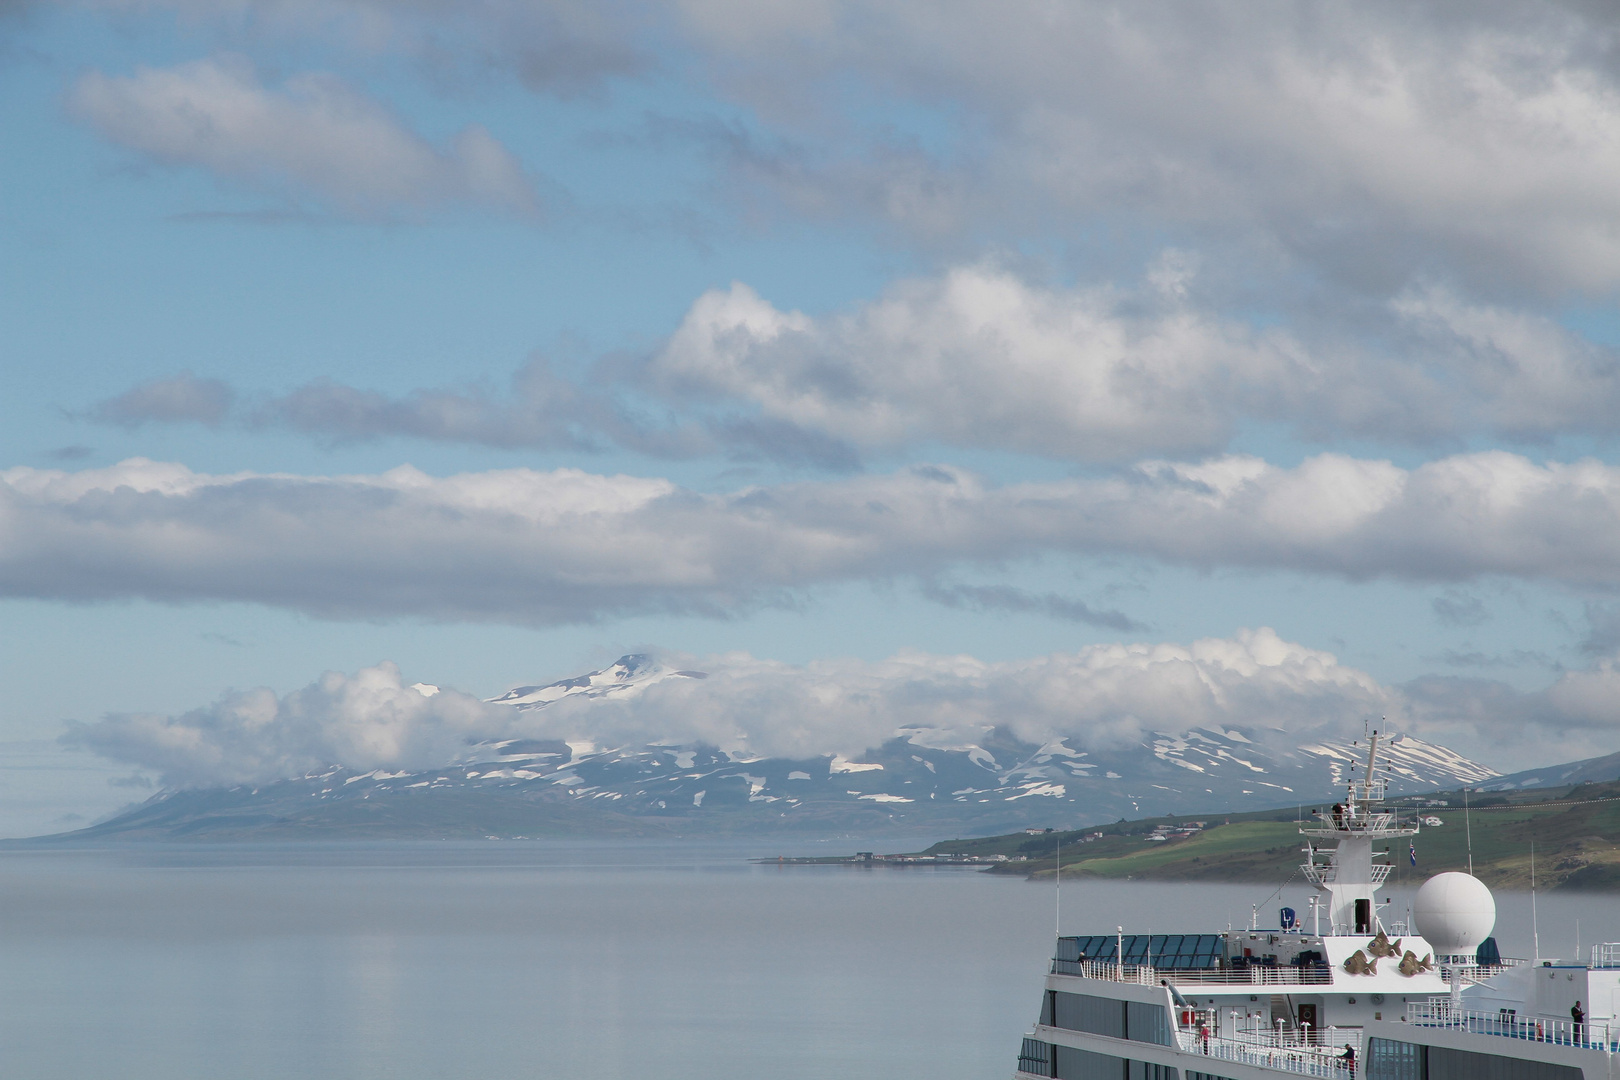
(411, 961)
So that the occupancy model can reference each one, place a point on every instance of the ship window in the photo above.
(1174, 952)
(1194, 1075)
(1035, 1058)
(1445, 1064)
(1146, 1022)
(1147, 1070)
(1086, 1012)
(1391, 1059)
(1073, 1064)
(1139, 1020)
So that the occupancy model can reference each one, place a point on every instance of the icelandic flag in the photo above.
(1411, 852)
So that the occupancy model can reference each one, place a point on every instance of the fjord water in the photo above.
(411, 961)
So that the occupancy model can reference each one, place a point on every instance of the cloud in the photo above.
(543, 411)
(314, 136)
(1575, 717)
(1455, 607)
(563, 48)
(523, 546)
(1366, 142)
(183, 398)
(981, 357)
(1603, 628)
(1521, 375)
(1007, 598)
(978, 357)
(368, 720)
(1102, 698)
(1367, 145)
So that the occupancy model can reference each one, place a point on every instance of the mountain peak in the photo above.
(629, 674)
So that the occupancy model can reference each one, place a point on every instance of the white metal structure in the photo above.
(1347, 997)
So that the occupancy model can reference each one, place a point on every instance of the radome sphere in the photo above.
(1454, 913)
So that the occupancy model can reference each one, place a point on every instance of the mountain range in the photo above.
(921, 780)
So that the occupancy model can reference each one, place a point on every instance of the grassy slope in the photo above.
(1575, 845)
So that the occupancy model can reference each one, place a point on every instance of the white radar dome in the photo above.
(1454, 913)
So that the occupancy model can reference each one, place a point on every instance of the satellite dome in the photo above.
(1454, 913)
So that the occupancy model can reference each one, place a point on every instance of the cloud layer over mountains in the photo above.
(1102, 698)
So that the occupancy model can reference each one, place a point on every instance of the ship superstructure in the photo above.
(1342, 993)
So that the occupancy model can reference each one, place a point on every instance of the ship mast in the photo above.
(1352, 873)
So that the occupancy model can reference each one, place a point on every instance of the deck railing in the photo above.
(1508, 1024)
(1146, 975)
(1140, 974)
(1301, 1060)
(1287, 1038)
(1606, 955)
(1478, 972)
(1255, 974)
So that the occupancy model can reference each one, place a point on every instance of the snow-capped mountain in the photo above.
(1596, 770)
(922, 780)
(629, 676)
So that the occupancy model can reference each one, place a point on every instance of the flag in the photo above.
(1411, 852)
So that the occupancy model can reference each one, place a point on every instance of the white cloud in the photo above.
(980, 358)
(1476, 140)
(314, 135)
(1372, 141)
(368, 720)
(1520, 374)
(517, 545)
(1105, 698)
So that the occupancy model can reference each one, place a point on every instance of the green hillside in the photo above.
(1575, 833)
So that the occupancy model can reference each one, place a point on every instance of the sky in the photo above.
(1095, 368)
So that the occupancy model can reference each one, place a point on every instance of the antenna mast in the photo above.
(1535, 925)
(1469, 829)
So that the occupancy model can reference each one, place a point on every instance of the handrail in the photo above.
(1508, 1024)
(1606, 955)
(1300, 1060)
(1256, 975)
(1284, 1038)
(1479, 972)
(1145, 975)
(1140, 974)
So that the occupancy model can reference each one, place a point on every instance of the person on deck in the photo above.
(1577, 1014)
(1349, 1058)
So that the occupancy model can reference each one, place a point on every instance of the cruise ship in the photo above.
(1342, 993)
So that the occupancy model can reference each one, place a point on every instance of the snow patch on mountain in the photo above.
(627, 677)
